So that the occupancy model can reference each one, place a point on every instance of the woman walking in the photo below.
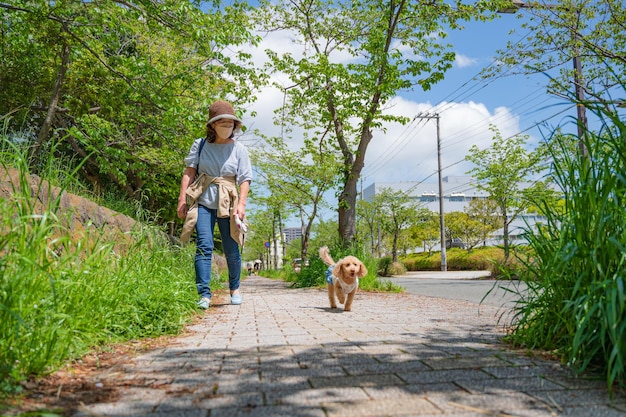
(223, 166)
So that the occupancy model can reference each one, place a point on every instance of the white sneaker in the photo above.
(204, 303)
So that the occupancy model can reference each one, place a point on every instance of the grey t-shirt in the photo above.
(219, 160)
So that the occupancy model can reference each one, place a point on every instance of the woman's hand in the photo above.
(182, 209)
(240, 211)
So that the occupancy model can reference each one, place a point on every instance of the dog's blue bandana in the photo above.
(329, 274)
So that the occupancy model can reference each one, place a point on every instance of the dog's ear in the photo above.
(338, 270)
(362, 270)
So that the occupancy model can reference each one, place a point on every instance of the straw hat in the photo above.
(222, 110)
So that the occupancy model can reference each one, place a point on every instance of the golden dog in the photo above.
(342, 278)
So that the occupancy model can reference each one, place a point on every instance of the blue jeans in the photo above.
(204, 250)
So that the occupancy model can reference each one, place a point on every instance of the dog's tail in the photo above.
(325, 255)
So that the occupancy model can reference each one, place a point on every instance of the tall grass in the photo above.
(61, 296)
(576, 305)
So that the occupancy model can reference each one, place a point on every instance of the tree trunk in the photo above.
(54, 101)
(347, 198)
(275, 243)
(347, 212)
(505, 233)
(281, 234)
(394, 251)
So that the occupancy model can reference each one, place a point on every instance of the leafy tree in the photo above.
(397, 214)
(262, 229)
(426, 229)
(123, 84)
(501, 170)
(485, 211)
(356, 56)
(470, 230)
(297, 179)
(368, 215)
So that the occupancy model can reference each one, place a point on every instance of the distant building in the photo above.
(292, 233)
(458, 191)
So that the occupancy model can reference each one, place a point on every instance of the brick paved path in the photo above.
(284, 353)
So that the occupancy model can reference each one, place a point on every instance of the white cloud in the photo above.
(409, 153)
(463, 61)
(396, 153)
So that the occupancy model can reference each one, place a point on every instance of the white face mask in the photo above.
(224, 132)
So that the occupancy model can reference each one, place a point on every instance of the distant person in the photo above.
(257, 266)
(250, 267)
(224, 175)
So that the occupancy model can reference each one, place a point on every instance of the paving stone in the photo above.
(445, 375)
(410, 406)
(356, 381)
(458, 362)
(285, 353)
(316, 396)
(269, 411)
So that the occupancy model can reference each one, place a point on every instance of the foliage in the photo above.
(394, 223)
(125, 84)
(484, 211)
(501, 170)
(397, 212)
(261, 230)
(384, 266)
(325, 234)
(309, 276)
(471, 231)
(576, 305)
(554, 32)
(427, 230)
(487, 258)
(61, 296)
(297, 180)
(314, 274)
(397, 268)
(354, 58)
(368, 213)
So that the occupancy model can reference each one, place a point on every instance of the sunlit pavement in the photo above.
(473, 286)
(283, 352)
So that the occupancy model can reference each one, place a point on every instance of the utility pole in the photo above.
(580, 96)
(442, 225)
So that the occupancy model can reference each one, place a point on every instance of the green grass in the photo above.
(576, 306)
(314, 274)
(61, 296)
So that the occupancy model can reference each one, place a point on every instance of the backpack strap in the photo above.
(199, 150)
(201, 146)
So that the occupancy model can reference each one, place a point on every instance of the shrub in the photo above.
(489, 258)
(384, 266)
(396, 268)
